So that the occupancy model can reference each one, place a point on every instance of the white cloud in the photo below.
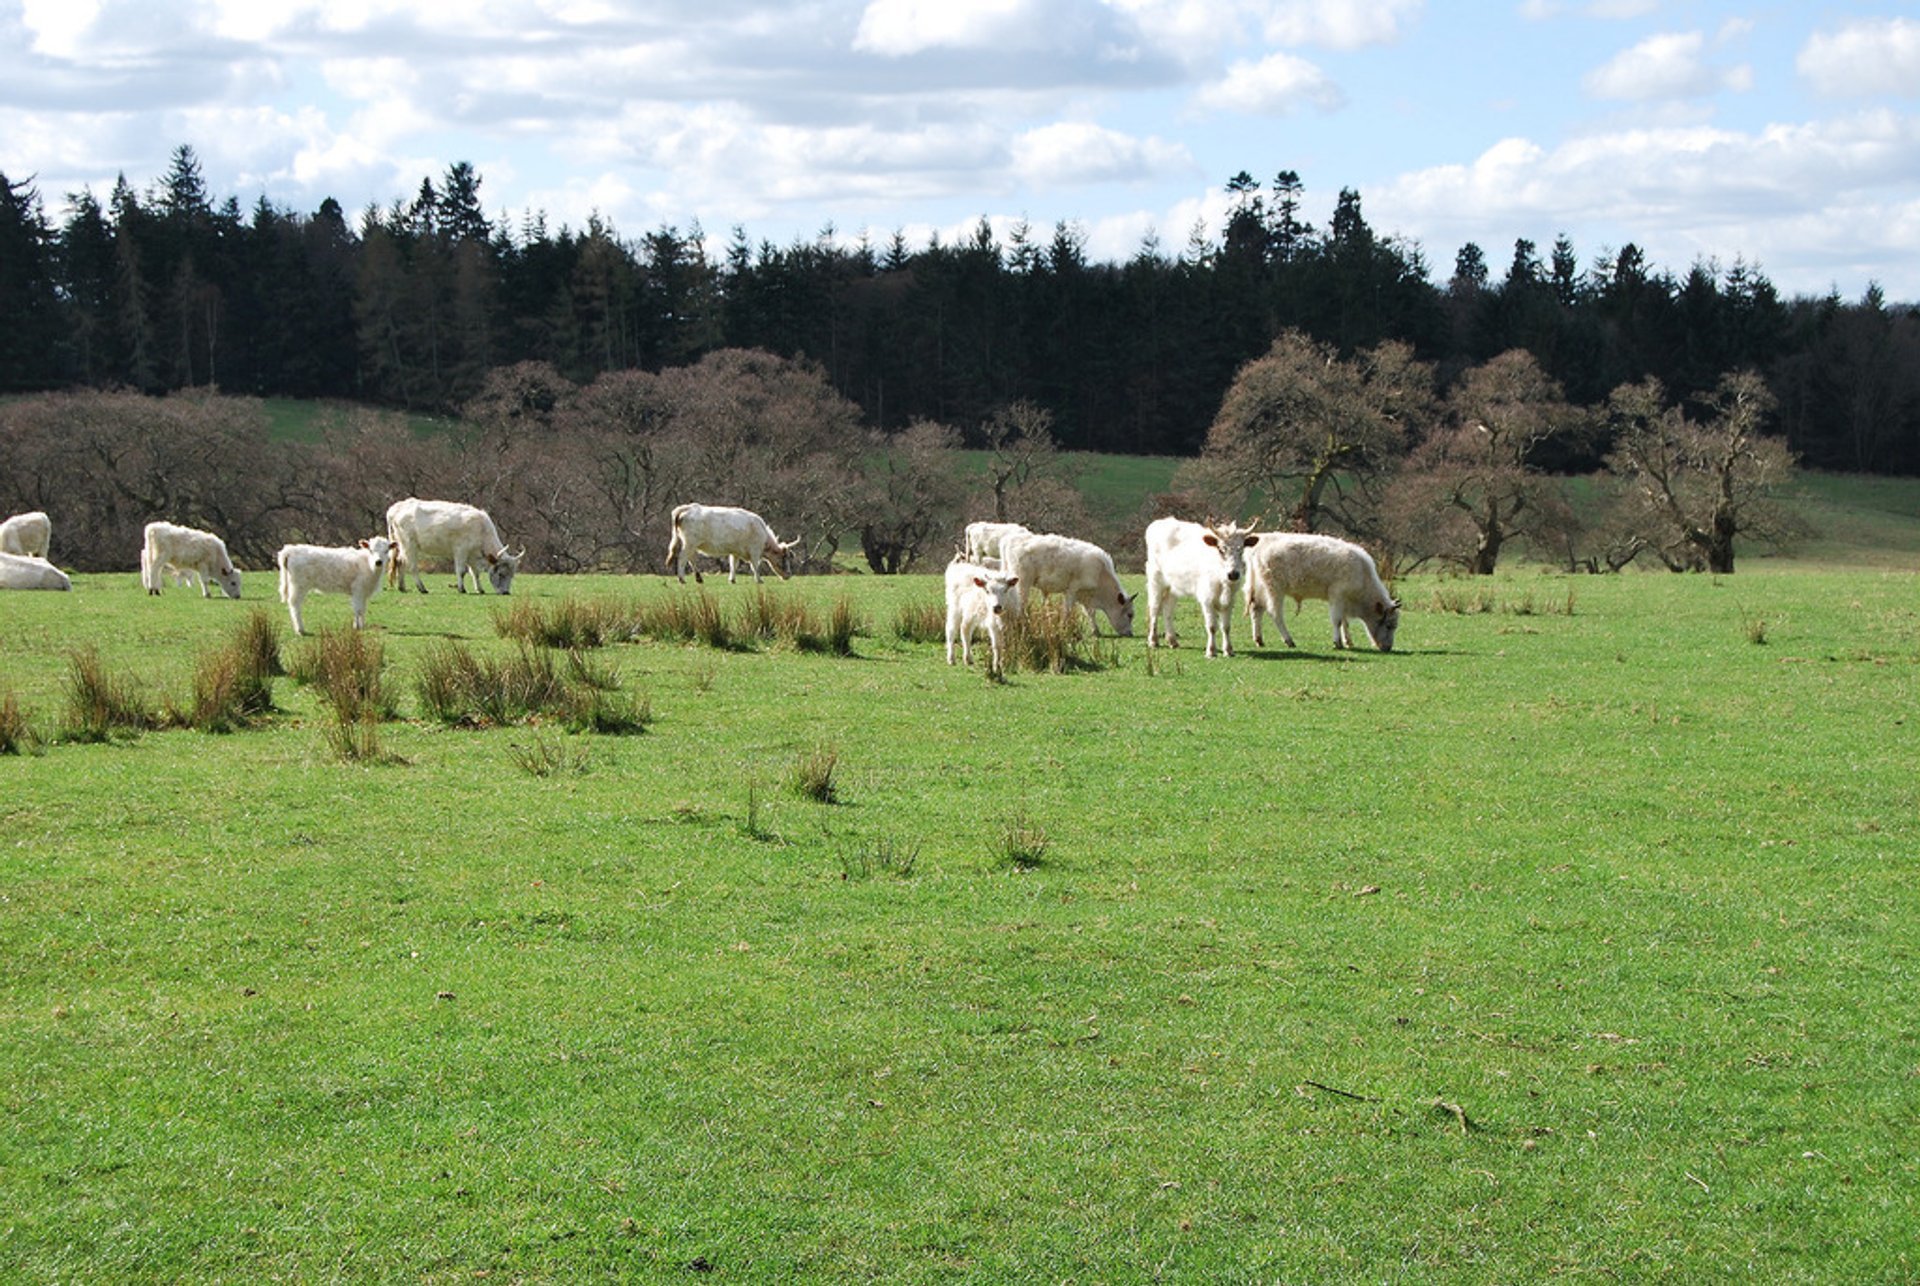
(896, 28)
(1665, 66)
(1338, 24)
(1077, 152)
(1274, 86)
(1833, 191)
(1872, 56)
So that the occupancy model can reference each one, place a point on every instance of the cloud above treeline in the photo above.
(1696, 129)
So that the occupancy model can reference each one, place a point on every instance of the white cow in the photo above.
(423, 529)
(1296, 566)
(186, 552)
(1187, 559)
(985, 539)
(17, 571)
(29, 535)
(1077, 569)
(354, 570)
(722, 531)
(978, 599)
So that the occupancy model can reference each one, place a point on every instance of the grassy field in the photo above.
(1579, 936)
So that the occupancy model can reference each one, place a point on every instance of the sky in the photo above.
(1782, 134)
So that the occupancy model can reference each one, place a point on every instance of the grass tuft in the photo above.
(544, 757)
(812, 775)
(570, 624)
(924, 621)
(17, 734)
(100, 704)
(883, 855)
(1053, 638)
(1021, 843)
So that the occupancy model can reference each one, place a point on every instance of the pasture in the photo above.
(1579, 936)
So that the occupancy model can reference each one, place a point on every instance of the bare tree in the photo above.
(1697, 485)
(912, 502)
(1305, 423)
(1470, 488)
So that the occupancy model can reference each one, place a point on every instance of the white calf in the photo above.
(721, 531)
(978, 599)
(30, 535)
(1186, 559)
(423, 529)
(1077, 569)
(20, 572)
(986, 539)
(354, 570)
(1290, 565)
(186, 552)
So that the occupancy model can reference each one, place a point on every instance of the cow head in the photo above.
(1382, 618)
(1231, 541)
(228, 579)
(381, 549)
(502, 567)
(1001, 590)
(778, 552)
(1120, 613)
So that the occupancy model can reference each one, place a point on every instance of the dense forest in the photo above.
(412, 305)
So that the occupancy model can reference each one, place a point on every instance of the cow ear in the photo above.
(1251, 541)
(1212, 539)
(493, 558)
(365, 545)
(1012, 581)
(980, 581)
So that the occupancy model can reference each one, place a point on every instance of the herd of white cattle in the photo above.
(987, 583)
(1001, 562)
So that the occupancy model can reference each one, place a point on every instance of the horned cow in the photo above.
(1297, 566)
(1202, 562)
(423, 529)
(1078, 570)
(722, 531)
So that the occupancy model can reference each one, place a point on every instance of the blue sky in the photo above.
(1783, 134)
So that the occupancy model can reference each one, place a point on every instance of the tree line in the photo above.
(413, 304)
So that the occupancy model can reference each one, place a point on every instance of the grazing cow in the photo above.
(186, 552)
(354, 570)
(722, 531)
(30, 535)
(1187, 559)
(978, 599)
(17, 571)
(986, 539)
(1290, 565)
(423, 529)
(1077, 569)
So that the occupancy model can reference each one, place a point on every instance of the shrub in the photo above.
(455, 686)
(258, 641)
(99, 704)
(607, 711)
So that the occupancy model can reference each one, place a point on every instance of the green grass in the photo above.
(1552, 944)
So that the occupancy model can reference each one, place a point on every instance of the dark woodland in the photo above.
(1212, 349)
